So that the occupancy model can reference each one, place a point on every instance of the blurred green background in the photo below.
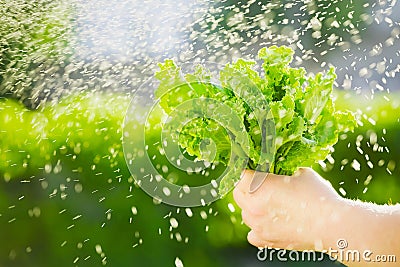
(66, 195)
(65, 188)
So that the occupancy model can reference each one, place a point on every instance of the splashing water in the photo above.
(72, 67)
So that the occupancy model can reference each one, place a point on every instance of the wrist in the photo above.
(361, 227)
(332, 223)
(346, 223)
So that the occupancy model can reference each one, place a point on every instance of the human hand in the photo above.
(288, 211)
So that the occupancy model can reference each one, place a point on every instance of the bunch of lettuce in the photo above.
(306, 124)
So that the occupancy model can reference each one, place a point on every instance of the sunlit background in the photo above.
(68, 70)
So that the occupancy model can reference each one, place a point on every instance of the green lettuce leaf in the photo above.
(277, 120)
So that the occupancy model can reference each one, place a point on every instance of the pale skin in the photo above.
(304, 212)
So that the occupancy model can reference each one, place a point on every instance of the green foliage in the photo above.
(64, 171)
(35, 45)
(314, 25)
(365, 163)
(76, 167)
(300, 106)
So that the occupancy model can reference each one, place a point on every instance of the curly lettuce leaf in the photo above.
(284, 118)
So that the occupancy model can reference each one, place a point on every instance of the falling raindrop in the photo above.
(178, 262)
(173, 222)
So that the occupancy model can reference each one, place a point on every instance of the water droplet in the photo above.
(134, 210)
(342, 191)
(178, 262)
(231, 207)
(356, 165)
(98, 249)
(203, 215)
(166, 191)
(189, 212)
(173, 222)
